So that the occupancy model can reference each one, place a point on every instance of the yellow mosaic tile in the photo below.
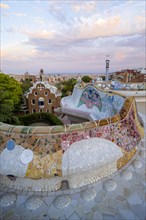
(139, 127)
(45, 167)
(126, 157)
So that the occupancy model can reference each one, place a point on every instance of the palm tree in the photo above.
(68, 86)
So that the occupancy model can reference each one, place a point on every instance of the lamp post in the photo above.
(107, 68)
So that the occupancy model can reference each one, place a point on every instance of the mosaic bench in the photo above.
(39, 152)
(91, 103)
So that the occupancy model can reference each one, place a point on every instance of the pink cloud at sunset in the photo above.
(72, 36)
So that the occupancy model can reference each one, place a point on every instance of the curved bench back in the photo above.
(49, 143)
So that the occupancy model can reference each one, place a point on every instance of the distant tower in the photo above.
(41, 74)
(107, 68)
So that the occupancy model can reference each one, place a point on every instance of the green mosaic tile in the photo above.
(25, 130)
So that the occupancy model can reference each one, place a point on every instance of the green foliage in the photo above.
(11, 87)
(6, 109)
(68, 86)
(86, 79)
(103, 78)
(59, 86)
(38, 117)
(10, 94)
(26, 84)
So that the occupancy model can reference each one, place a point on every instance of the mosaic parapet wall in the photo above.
(37, 152)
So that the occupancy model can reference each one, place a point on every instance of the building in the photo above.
(142, 70)
(43, 97)
(130, 76)
(17, 77)
(30, 77)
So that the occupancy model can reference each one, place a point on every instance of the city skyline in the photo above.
(71, 36)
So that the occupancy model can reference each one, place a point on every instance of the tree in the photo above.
(26, 84)
(6, 109)
(12, 88)
(103, 78)
(59, 86)
(10, 95)
(68, 86)
(86, 79)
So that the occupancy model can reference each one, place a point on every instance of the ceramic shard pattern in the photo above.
(126, 201)
(49, 144)
(90, 97)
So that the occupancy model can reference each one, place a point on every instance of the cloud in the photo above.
(6, 14)
(76, 7)
(39, 21)
(83, 6)
(89, 6)
(11, 30)
(114, 18)
(88, 33)
(136, 40)
(22, 52)
(106, 27)
(5, 6)
(86, 53)
(57, 12)
(19, 14)
(76, 37)
(61, 13)
(39, 34)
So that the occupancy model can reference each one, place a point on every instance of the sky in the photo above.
(72, 36)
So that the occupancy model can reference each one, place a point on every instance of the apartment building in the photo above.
(130, 76)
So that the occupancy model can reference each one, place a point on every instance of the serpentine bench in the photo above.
(95, 148)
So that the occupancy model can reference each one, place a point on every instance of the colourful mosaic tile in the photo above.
(45, 167)
(90, 97)
(49, 143)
